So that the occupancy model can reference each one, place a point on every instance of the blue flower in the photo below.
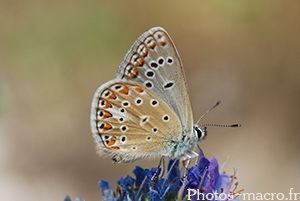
(146, 186)
(106, 190)
(67, 198)
(204, 182)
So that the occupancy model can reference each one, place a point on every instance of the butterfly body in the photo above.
(145, 111)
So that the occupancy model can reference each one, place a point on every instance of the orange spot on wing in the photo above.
(139, 89)
(134, 73)
(145, 53)
(107, 105)
(163, 43)
(112, 96)
(107, 127)
(124, 90)
(112, 141)
(140, 62)
(106, 114)
(152, 45)
(116, 148)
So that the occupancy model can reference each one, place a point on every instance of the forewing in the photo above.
(154, 62)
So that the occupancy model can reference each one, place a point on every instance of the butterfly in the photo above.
(146, 112)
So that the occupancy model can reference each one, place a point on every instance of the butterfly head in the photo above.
(200, 132)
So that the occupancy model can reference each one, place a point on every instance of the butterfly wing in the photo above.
(131, 122)
(154, 62)
(145, 111)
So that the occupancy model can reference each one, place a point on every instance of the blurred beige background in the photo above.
(54, 55)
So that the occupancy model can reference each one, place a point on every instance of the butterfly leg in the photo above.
(187, 160)
(161, 163)
(186, 164)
